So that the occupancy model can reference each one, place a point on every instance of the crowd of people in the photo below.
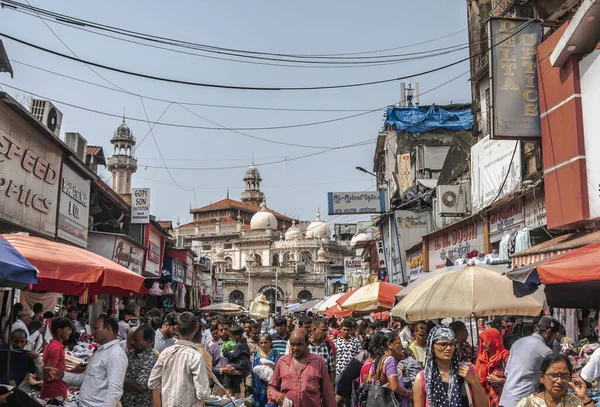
(187, 359)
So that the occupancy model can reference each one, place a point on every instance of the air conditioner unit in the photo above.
(452, 200)
(47, 114)
(76, 143)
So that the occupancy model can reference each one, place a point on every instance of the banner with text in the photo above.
(140, 205)
(352, 203)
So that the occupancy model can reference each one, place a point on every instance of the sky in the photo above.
(205, 164)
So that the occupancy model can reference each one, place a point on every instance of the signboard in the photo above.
(495, 164)
(535, 210)
(351, 203)
(589, 67)
(73, 212)
(404, 172)
(29, 177)
(140, 205)
(352, 264)
(154, 254)
(414, 264)
(515, 110)
(412, 226)
(178, 271)
(455, 242)
(507, 217)
(128, 255)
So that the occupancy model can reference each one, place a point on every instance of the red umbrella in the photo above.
(71, 270)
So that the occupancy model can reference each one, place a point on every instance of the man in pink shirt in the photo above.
(301, 376)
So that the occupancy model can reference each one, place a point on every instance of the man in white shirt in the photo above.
(22, 322)
(100, 386)
(180, 372)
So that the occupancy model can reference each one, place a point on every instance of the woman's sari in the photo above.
(259, 387)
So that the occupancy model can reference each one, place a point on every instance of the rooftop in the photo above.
(237, 205)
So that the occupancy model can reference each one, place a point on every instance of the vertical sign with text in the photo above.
(513, 78)
(140, 205)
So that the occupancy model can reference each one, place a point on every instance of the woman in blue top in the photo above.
(259, 386)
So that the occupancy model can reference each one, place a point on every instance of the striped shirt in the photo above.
(279, 343)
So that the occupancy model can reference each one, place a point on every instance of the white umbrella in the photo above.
(329, 302)
(481, 290)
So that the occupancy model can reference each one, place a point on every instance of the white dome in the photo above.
(321, 255)
(359, 239)
(220, 254)
(263, 220)
(318, 229)
(293, 233)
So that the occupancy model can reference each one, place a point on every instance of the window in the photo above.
(275, 260)
(206, 247)
(228, 263)
(228, 246)
(306, 258)
(236, 297)
(258, 260)
(304, 296)
(180, 241)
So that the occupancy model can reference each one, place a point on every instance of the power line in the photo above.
(80, 22)
(252, 88)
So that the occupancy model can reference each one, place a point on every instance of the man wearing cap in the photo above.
(525, 360)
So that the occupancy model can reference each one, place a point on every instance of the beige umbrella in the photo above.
(480, 290)
(329, 302)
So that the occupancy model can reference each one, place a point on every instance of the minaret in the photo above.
(123, 163)
(252, 194)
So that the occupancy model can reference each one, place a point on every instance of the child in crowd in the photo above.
(410, 368)
(238, 358)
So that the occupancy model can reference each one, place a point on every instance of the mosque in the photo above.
(253, 249)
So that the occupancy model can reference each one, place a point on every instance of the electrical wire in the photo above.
(81, 22)
(257, 88)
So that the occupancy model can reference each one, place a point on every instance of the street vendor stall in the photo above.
(374, 297)
(464, 292)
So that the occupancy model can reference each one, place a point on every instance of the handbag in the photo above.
(381, 396)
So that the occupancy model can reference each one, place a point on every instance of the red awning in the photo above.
(577, 266)
(71, 270)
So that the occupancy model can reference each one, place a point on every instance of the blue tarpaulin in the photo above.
(421, 119)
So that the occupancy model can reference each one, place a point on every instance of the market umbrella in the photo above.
(292, 307)
(15, 270)
(306, 306)
(223, 307)
(572, 280)
(72, 270)
(480, 290)
(328, 303)
(424, 277)
(374, 297)
(337, 312)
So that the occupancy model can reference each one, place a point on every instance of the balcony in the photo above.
(121, 161)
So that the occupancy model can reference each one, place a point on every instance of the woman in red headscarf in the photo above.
(491, 361)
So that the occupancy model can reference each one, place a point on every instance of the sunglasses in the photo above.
(444, 345)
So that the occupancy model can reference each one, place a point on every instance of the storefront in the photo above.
(456, 241)
(30, 167)
(121, 249)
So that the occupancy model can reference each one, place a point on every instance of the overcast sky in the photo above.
(295, 187)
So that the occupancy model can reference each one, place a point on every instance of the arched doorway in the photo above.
(304, 296)
(275, 260)
(236, 297)
(270, 291)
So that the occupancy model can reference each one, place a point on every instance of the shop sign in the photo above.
(507, 216)
(412, 226)
(140, 205)
(189, 276)
(414, 264)
(128, 255)
(351, 203)
(73, 213)
(535, 210)
(29, 180)
(178, 271)
(454, 243)
(154, 252)
(515, 107)
(404, 172)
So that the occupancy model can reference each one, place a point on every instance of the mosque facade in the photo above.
(251, 249)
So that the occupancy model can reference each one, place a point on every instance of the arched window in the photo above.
(286, 259)
(236, 297)
(228, 263)
(304, 296)
(275, 260)
(306, 258)
(258, 260)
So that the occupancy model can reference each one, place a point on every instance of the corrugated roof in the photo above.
(230, 203)
(93, 150)
(166, 224)
(564, 242)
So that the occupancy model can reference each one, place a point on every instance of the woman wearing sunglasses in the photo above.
(445, 382)
(556, 377)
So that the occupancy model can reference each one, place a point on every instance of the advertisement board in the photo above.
(455, 242)
(495, 164)
(154, 255)
(29, 177)
(128, 255)
(352, 203)
(140, 205)
(515, 110)
(506, 218)
(412, 226)
(414, 264)
(73, 212)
